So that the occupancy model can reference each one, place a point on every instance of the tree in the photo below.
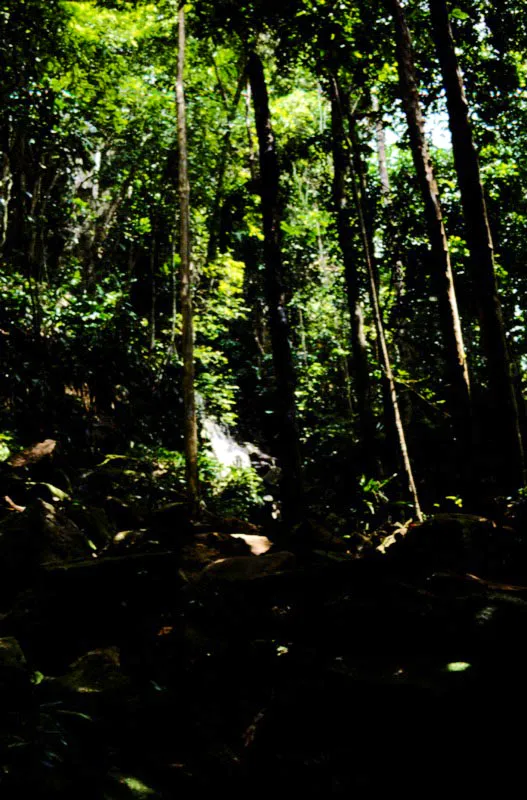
(189, 398)
(393, 420)
(456, 362)
(361, 366)
(507, 435)
(286, 426)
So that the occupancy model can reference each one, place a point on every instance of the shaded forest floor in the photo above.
(147, 654)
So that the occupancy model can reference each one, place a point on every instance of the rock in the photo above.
(258, 544)
(11, 655)
(61, 539)
(244, 569)
(93, 522)
(96, 672)
(460, 542)
(33, 454)
(126, 540)
(45, 491)
(41, 534)
(15, 678)
(206, 548)
(172, 518)
(224, 544)
(125, 515)
(123, 787)
(310, 535)
(119, 476)
(240, 594)
(231, 524)
(195, 556)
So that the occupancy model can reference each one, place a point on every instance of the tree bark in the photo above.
(189, 398)
(499, 364)
(253, 167)
(361, 364)
(6, 183)
(153, 256)
(392, 412)
(212, 245)
(288, 438)
(380, 137)
(456, 363)
(173, 292)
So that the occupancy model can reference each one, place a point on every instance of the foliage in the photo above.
(226, 490)
(90, 325)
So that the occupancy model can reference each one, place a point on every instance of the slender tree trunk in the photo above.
(33, 261)
(253, 167)
(152, 276)
(360, 175)
(499, 363)
(212, 245)
(394, 416)
(189, 398)
(397, 320)
(173, 314)
(380, 137)
(132, 261)
(456, 362)
(361, 365)
(6, 183)
(303, 343)
(288, 438)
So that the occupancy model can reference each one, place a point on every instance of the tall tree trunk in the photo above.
(214, 225)
(6, 183)
(303, 342)
(397, 321)
(189, 398)
(288, 438)
(173, 292)
(153, 256)
(380, 137)
(361, 365)
(499, 364)
(253, 166)
(456, 363)
(392, 412)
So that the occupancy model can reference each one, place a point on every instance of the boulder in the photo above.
(125, 515)
(60, 538)
(96, 672)
(172, 518)
(42, 534)
(245, 569)
(259, 545)
(33, 454)
(15, 678)
(462, 543)
(93, 522)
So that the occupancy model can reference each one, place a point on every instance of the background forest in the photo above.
(263, 360)
(90, 240)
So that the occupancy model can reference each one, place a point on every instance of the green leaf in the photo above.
(458, 13)
(57, 493)
(458, 666)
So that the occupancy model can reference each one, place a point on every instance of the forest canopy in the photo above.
(263, 362)
(350, 259)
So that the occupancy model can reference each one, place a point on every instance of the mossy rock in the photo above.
(464, 543)
(15, 678)
(93, 522)
(96, 672)
(119, 476)
(246, 569)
